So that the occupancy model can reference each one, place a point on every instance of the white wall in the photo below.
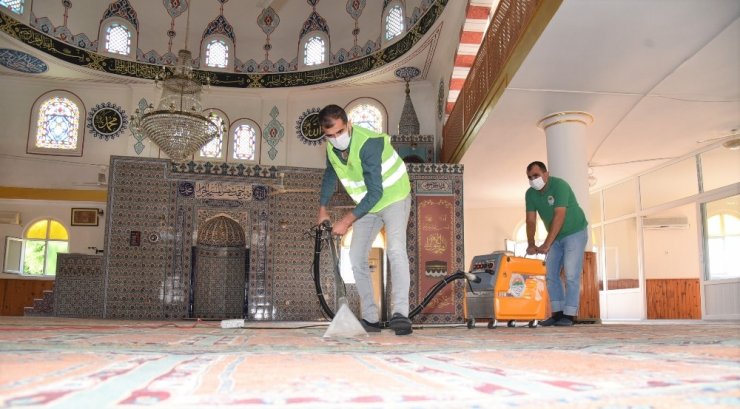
(486, 229)
(672, 253)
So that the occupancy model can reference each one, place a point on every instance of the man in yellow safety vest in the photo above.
(374, 175)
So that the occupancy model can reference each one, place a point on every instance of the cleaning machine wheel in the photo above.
(492, 324)
(471, 323)
(533, 324)
(511, 324)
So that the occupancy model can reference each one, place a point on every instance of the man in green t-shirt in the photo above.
(554, 200)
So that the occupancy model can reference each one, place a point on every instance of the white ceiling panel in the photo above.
(621, 46)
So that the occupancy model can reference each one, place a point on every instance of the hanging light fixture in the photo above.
(178, 125)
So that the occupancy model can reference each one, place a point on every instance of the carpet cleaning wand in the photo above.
(344, 323)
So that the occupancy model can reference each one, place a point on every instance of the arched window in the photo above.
(16, 6)
(393, 21)
(43, 240)
(314, 50)
(723, 240)
(215, 149)
(217, 53)
(367, 113)
(59, 120)
(55, 124)
(244, 143)
(118, 39)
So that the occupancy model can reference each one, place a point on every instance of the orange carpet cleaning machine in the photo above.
(511, 289)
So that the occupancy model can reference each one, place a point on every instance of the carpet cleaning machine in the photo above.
(500, 286)
(510, 288)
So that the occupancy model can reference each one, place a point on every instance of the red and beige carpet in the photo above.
(72, 363)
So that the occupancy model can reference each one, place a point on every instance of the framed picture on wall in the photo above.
(84, 216)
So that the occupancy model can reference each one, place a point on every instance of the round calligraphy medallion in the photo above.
(308, 127)
(106, 121)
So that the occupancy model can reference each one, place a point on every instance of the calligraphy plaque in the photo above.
(308, 127)
(186, 189)
(436, 250)
(106, 121)
(223, 191)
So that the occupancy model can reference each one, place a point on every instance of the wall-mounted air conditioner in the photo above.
(665, 223)
(8, 217)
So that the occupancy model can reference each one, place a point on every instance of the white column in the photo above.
(566, 152)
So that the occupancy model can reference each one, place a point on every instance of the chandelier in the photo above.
(178, 125)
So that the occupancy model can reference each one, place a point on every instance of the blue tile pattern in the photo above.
(21, 62)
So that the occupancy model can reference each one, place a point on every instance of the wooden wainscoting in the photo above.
(18, 293)
(588, 309)
(674, 298)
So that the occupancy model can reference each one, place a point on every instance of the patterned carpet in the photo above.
(72, 363)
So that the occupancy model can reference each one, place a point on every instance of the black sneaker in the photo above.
(370, 326)
(552, 320)
(549, 322)
(566, 321)
(400, 324)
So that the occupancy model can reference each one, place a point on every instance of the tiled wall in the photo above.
(78, 287)
(155, 208)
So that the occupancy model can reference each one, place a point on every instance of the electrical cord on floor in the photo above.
(299, 327)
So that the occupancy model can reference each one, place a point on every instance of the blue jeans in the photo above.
(566, 253)
(395, 217)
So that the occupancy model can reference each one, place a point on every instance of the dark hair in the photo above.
(538, 164)
(331, 113)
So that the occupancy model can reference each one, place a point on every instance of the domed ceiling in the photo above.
(265, 35)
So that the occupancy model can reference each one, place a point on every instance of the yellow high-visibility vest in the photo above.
(396, 185)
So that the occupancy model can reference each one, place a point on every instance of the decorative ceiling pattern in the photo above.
(220, 26)
(314, 23)
(154, 41)
(54, 40)
(122, 9)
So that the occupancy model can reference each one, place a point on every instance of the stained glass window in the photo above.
(217, 54)
(118, 39)
(59, 120)
(43, 241)
(394, 22)
(214, 148)
(16, 6)
(245, 142)
(367, 116)
(314, 51)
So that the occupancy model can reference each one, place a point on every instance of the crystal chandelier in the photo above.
(178, 125)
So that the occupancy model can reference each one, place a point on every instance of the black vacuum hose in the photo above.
(436, 289)
(320, 230)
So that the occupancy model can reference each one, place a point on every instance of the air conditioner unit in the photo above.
(8, 217)
(665, 223)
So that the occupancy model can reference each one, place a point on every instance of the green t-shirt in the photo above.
(557, 193)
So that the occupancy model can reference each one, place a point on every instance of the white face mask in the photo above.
(340, 141)
(537, 184)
